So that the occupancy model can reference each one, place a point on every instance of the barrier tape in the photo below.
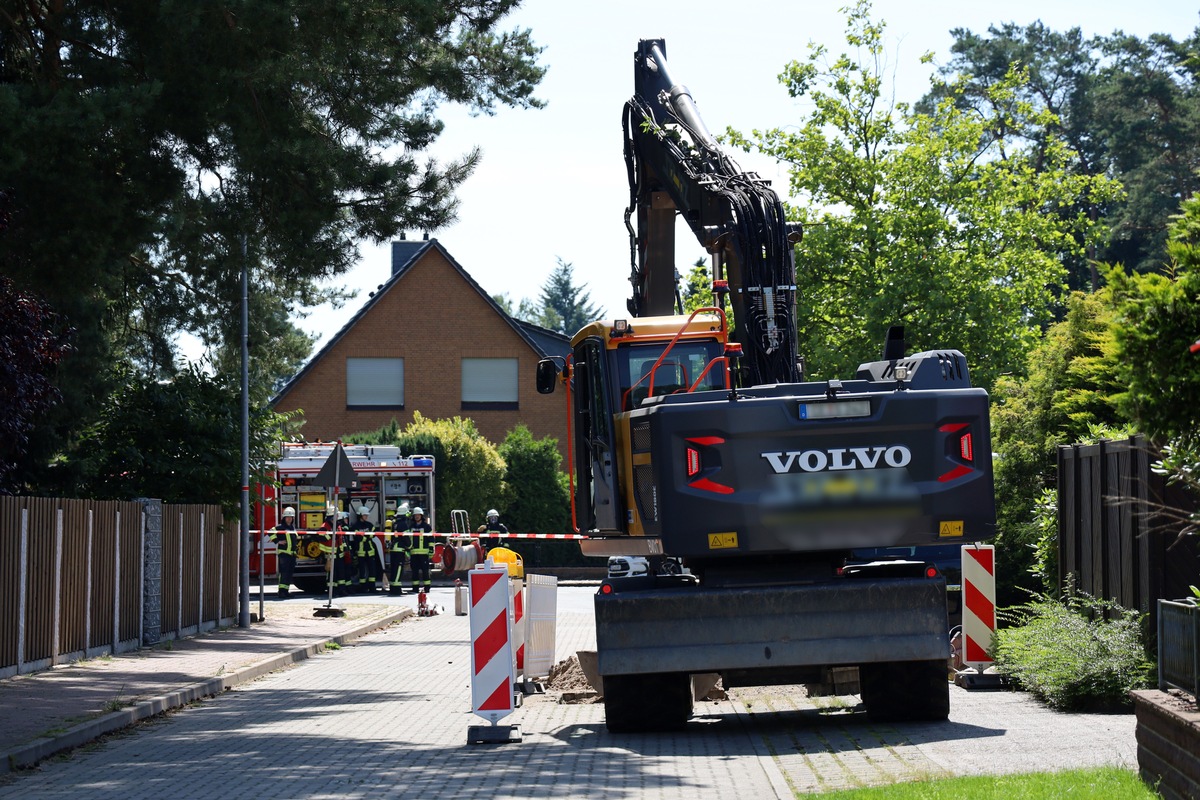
(484, 535)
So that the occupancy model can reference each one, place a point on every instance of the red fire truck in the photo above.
(383, 481)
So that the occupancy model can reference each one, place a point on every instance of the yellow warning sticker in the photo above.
(722, 541)
(950, 528)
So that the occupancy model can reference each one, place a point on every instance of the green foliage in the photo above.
(32, 343)
(1129, 108)
(178, 440)
(1045, 549)
(697, 289)
(937, 221)
(1065, 388)
(1157, 318)
(535, 498)
(564, 306)
(526, 310)
(1080, 654)
(470, 471)
(140, 174)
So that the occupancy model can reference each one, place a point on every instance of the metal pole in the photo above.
(244, 579)
(262, 592)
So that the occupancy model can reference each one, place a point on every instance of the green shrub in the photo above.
(536, 498)
(1077, 654)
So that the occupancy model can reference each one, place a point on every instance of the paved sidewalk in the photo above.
(46, 712)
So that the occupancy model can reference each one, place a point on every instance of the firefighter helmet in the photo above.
(418, 511)
(492, 513)
(289, 512)
(363, 511)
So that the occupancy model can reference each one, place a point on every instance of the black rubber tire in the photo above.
(905, 691)
(643, 703)
(310, 584)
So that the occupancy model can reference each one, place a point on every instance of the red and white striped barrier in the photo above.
(518, 624)
(492, 676)
(979, 604)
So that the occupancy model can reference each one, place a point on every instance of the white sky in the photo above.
(552, 182)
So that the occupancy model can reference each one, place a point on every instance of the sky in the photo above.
(552, 182)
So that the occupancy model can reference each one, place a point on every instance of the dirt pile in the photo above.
(567, 676)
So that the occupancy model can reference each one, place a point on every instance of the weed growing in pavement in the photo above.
(116, 703)
(332, 645)
(1075, 654)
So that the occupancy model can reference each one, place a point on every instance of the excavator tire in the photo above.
(906, 691)
(643, 703)
(310, 585)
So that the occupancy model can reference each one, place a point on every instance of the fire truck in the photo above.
(383, 481)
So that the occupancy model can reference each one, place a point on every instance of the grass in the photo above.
(1099, 783)
(332, 645)
(115, 703)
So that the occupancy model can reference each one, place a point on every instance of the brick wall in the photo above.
(432, 318)
(1168, 740)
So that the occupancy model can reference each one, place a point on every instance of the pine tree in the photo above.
(566, 307)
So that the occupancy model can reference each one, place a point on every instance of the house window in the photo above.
(374, 383)
(489, 383)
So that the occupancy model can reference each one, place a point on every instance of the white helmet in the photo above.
(289, 512)
(343, 515)
(403, 509)
(363, 511)
(492, 513)
(330, 511)
(418, 510)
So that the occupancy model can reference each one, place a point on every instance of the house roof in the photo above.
(405, 255)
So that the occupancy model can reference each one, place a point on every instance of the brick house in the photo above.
(430, 339)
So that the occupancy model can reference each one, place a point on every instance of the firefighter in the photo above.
(345, 570)
(493, 525)
(420, 548)
(326, 544)
(287, 542)
(368, 558)
(397, 550)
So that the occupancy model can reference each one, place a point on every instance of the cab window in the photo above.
(683, 365)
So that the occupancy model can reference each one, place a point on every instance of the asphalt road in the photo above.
(388, 717)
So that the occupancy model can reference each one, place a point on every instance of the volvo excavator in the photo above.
(696, 440)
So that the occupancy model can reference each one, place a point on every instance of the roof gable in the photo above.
(405, 255)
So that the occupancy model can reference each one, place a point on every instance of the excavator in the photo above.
(695, 439)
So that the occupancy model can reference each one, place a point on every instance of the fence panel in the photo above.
(39, 581)
(72, 583)
(1113, 537)
(130, 545)
(10, 584)
(172, 568)
(1068, 514)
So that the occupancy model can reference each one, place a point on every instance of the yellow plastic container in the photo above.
(510, 558)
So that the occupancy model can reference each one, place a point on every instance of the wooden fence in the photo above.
(81, 578)
(1111, 535)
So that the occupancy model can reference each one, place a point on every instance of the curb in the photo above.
(42, 748)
